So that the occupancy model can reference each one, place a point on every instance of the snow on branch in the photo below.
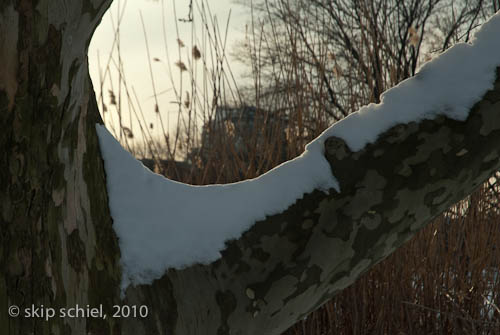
(165, 224)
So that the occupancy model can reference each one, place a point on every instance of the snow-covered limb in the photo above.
(164, 224)
(391, 168)
(287, 265)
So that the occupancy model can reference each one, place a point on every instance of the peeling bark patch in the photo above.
(311, 277)
(337, 148)
(371, 191)
(404, 170)
(489, 164)
(260, 289)
(307, 224)
(227, 304)
(250, 293)
(260, 254)
(371, 220)
(268, 246)
(340, 227)
(491, 121)
(443, 137)
(365, 239)
(436, 197)
(58, 196)
(232, 255)
(279, 291)
(76, 251)
(492, 156)
(400, 132)
(424, 150)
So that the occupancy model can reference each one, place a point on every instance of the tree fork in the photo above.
(58, 248)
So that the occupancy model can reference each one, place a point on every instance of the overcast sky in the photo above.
(134, 54)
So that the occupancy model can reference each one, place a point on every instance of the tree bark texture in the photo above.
(58, 248)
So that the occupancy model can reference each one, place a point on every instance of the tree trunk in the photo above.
(57, 245)
(58, 248)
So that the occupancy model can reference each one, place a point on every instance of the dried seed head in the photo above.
(181, 65)
(112, 97)
(187, 101)
(230, 128)
(196, 53)
(128, 132)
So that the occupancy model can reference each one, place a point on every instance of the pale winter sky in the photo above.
(134, 52)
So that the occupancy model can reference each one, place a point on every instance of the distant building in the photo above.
(237, 126)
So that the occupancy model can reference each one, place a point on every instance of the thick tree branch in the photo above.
(288, 265)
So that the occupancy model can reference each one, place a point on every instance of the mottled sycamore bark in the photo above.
(57, 246)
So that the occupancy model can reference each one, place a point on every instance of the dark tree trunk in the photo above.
(58, 248)
(57, 245)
